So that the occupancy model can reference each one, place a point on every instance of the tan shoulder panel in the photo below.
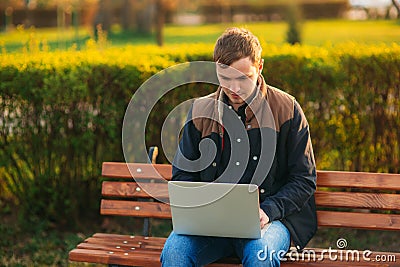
(281, 104)
(204, 115)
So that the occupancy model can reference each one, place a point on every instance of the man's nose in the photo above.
(234, 87)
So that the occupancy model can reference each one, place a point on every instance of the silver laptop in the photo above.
(215, 209)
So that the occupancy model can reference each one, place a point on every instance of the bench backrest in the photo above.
(344, 199)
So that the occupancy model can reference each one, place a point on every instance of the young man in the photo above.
(273, 121)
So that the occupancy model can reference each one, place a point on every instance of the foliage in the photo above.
(62, 114)
(350, 96)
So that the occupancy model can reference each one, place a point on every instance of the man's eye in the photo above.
(225, 78)
(242, 78)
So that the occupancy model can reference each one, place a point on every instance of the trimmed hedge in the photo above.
(62, 114)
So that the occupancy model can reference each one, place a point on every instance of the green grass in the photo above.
(314, 33)
(54, 38)
(368, 32)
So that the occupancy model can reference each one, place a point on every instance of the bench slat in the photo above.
(125, 237)
(378, 201)
(370, 221)
(132, 189)
(308, 258)
(379, 181)
(139, 170)
(126, 254)
(89, 244)
(325, 218)
(105, 257)
(126, 242)
(89, 255)
(318, 251)
(150, 242)
(327, 263)
(141, 258)
(111, 241)
(135, 208)
(358, 200)
(148, 258)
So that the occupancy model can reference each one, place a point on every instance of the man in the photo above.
(273, 121)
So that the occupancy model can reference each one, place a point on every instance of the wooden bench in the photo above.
(344, 199)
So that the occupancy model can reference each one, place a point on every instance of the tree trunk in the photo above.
(126, 15)
(145, 18)
(160, 20)
(29, 21)
(103, 16)
(397, 6)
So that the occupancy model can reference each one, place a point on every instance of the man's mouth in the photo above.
(235, 95)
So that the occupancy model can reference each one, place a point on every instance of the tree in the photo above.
(293, 35)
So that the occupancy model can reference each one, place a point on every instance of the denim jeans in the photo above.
(186, 250)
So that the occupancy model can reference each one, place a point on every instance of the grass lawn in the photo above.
(314, 33)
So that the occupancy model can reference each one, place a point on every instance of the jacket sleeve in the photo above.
(301, 180)
(189, 148)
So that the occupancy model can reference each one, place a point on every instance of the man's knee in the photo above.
(178, 251)
(173, 256)
(269, 250)
(262, 256)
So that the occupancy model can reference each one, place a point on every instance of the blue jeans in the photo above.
(186, 250)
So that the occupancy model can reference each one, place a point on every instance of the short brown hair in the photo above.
(235, 44)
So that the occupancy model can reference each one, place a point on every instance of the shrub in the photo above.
(62, 114)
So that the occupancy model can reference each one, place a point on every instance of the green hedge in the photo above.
(62, 114)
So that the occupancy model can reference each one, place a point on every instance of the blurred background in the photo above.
(146, 17)
(139, 15)
(69, 68)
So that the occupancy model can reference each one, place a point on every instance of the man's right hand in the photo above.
(263, 218)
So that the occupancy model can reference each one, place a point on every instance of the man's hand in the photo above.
(263, 219)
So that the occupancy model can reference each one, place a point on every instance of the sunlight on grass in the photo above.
(52, 37)
(21, 34)
(267, 32)
(314, 33)
(367, 32)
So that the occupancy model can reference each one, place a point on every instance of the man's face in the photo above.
(238, 81)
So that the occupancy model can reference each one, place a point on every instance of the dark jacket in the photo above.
(278, 155)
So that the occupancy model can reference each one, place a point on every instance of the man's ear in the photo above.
(260, 66)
